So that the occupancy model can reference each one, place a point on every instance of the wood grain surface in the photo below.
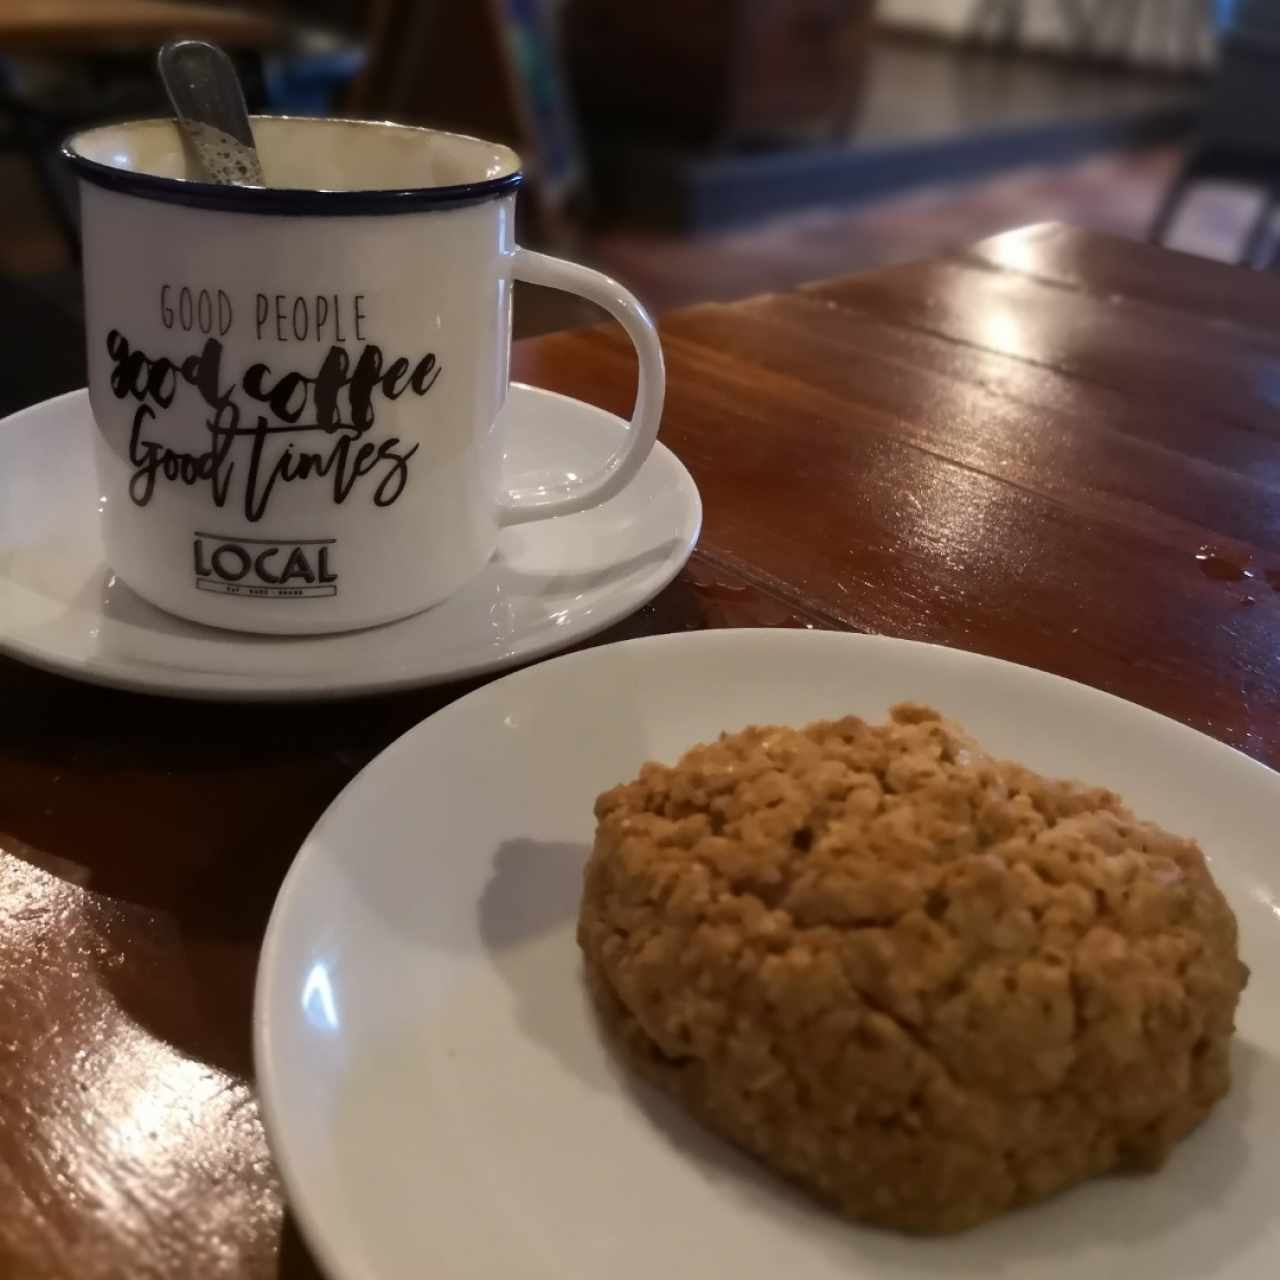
(91, 26)
(1053, 447)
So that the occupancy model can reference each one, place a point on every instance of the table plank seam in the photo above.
(1254, 335)
(869, 416)
(844, 304)
(1099, 425)
(766, 582)
(721, 362)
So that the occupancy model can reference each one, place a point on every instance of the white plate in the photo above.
(438, 1096)
(550, 584)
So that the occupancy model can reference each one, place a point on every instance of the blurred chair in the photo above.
(490, 68)
(1001, 22)
(1237, 140)
(67, 64)
(720, 74)
(1105, 31)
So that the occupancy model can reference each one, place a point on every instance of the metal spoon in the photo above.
(207, 99)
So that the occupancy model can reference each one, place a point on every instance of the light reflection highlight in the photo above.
(318, 1002)
(1016, 250)
(1002, 331)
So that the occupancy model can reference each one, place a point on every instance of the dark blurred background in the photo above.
(710, 149)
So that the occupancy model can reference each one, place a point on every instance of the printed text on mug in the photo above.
(272, 427)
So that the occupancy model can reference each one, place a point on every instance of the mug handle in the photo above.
(538, 502)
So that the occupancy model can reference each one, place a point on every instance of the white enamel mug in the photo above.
(297, 387)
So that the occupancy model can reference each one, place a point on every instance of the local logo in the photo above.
(280, 568)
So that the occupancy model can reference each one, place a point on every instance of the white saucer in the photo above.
(549, 585)
(438, 1096)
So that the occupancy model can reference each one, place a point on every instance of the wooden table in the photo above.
(94, 26)
(1018, 449)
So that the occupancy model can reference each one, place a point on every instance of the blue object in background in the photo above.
(307, 82)
(1254, 17)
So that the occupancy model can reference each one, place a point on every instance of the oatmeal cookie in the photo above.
(928, 985)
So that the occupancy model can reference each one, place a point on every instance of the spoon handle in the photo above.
(207, 99)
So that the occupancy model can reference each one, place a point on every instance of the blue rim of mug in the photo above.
(286, 201)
